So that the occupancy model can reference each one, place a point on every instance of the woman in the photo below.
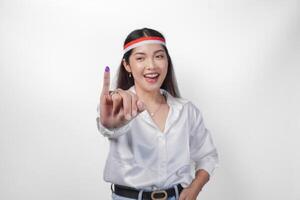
(159, 146)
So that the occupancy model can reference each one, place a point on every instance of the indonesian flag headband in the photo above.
(142, 41)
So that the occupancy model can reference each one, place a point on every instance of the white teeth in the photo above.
(151, 75)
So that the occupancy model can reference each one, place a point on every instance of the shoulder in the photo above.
(185, 105)
(193, 109)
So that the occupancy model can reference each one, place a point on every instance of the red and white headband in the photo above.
(143, 40)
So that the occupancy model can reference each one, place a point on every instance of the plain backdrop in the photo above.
(237, 60)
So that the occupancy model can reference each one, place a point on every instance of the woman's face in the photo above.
(148, 65)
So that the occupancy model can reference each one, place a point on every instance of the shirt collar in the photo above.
(175, 105)
(173, 102)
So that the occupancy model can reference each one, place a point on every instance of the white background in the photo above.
(237, 60)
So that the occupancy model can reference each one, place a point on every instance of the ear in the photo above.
(127, 66)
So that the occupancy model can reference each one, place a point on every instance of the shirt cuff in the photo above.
(112, 132)
(209, 165)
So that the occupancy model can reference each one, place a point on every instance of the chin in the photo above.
(150, 87)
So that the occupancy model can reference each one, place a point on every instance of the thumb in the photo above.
(182, 196)
(141, 106)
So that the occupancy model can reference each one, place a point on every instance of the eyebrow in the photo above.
(154, 52)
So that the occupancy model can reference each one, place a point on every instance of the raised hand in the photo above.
(118, 107)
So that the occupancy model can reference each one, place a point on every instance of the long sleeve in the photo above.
(110, 133)
(203, 151)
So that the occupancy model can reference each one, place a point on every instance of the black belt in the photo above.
(156, 194)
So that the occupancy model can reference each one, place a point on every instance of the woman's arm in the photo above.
(201, 178)
(203, 152)
(191, 192)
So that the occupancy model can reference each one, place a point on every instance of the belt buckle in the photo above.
(158, 192)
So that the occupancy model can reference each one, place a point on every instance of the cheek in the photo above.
(165, 63)
(164, 73)
(137, 71)
(165, 67)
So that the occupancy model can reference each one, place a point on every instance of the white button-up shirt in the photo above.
(144, 157)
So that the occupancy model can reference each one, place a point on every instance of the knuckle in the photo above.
(115, 97)
(127, 97)
(119, 90)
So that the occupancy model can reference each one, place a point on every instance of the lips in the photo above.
(151, 77)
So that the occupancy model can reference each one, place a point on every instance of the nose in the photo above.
(151, 64)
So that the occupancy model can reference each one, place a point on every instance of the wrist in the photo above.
(201, 178)
(196, 185)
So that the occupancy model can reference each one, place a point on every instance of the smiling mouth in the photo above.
(151, 77)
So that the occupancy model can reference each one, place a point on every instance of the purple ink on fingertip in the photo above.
(107, 68)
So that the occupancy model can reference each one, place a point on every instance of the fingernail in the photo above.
(128, 116)
(141, 105)
(134, 113)
(107, 68)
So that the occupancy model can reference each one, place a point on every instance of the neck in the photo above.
(149, 98)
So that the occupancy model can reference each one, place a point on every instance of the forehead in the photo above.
(148, 48)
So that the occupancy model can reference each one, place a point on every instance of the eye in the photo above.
(139, 58)
(160, 56)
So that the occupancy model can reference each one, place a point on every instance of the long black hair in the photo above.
(125, 82)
